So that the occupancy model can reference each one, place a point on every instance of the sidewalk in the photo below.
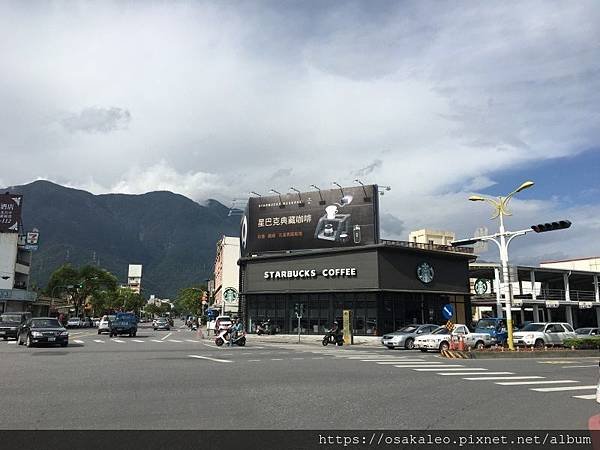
(314, 339)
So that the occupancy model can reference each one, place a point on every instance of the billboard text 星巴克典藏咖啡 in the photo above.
(333, 218)
(10, 212)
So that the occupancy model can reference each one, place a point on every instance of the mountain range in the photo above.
(172, 236)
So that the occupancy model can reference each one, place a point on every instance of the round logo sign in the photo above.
(244, 232)
(230, 295)
(481, 286)
(425, 272)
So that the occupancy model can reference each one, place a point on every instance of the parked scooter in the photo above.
(224, 336)
(330, 338)
(265, 327)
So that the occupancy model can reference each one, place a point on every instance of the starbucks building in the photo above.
(333, 260)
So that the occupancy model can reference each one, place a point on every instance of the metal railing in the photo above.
(546, 294)
(437, 247)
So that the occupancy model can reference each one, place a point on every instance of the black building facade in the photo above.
(385, 286)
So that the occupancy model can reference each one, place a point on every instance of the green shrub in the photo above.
(586, 343)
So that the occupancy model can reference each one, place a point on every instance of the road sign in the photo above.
(448, 311)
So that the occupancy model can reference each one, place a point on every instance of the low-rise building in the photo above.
(134, 278)
(431, 237)
(227, 275)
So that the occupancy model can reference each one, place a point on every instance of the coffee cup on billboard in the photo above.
(331, 211)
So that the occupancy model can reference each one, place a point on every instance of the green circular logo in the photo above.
(230, 295)
(481, 286)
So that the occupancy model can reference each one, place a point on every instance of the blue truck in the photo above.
(495, 327)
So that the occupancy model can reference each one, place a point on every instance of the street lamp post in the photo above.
(502, 239)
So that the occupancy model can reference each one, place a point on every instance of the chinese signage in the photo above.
(343, 217)
(10, 212)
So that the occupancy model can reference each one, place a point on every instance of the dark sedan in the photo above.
(43, 330)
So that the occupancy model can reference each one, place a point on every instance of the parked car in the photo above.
(43, 330)
(405, 336)
(104, 325)
(540, 334)
(95, 322)
(87, 322)
(582, 332)
(161, 324)
(495, 327)
(440, 339)
(123, 325)
(74, 322)
(11, 322)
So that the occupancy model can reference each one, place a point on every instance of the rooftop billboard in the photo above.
(333, 218)
(10, 212)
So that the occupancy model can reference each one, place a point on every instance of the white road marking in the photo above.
(210, 359)
(155, 340)
(564, 388)
(578, 367)
(475, 373)
(427, 368)
(208, 345)
(78, 341)
(388, 361)
(11, 342)
(99, 341)
(504, 378)
(276, 359)
(457, 368)
(297, 358)
(253, 360)
(410, 362)
(318, 358)
(586, 397)
(137, 340)
(518, 383)
(162, 339)
(118, 340)
(191, 340)
(175, 340)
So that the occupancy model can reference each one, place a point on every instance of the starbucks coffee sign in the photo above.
(338, 272)
(230, 295)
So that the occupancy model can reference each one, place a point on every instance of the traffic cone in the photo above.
(461, 344)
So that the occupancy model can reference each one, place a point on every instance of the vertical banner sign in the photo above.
(333, 218)
(347, 323)
(10, 212)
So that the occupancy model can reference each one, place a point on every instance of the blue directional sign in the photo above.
(448, 311)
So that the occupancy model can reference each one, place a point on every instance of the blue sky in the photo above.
(439, 100)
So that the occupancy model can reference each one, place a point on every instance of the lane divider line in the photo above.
(505, 378)
(475, 373)
(210, 359)
(162, 339)
(565, 388)
(518, 383)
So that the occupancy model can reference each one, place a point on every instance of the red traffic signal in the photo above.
(551, 226)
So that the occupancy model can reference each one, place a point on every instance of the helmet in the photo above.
(335, 323)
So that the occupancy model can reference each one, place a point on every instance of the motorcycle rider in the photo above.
(334, 332)
(234, 330)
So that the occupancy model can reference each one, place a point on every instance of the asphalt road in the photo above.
(162, 380)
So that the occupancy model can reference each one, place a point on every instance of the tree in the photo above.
(190, 300)
(129, 300)
(89, 283)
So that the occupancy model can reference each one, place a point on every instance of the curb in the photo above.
(457, 354)
(523, 354)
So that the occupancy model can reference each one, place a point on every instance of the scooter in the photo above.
(265, 328)
(329, 338)
(224, 336)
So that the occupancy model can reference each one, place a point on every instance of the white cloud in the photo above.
(428, 98)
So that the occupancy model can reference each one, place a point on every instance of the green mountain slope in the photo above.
(172, 236)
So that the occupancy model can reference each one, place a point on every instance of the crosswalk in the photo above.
(535, 383)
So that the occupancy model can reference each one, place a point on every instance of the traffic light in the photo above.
(551, 226)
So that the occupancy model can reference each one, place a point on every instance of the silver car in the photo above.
(405, 336)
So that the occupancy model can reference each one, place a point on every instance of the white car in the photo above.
(440, 339)
(74, 322)
(104, 324)
(539, 334)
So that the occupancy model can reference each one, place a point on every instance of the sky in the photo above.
(438, 100)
